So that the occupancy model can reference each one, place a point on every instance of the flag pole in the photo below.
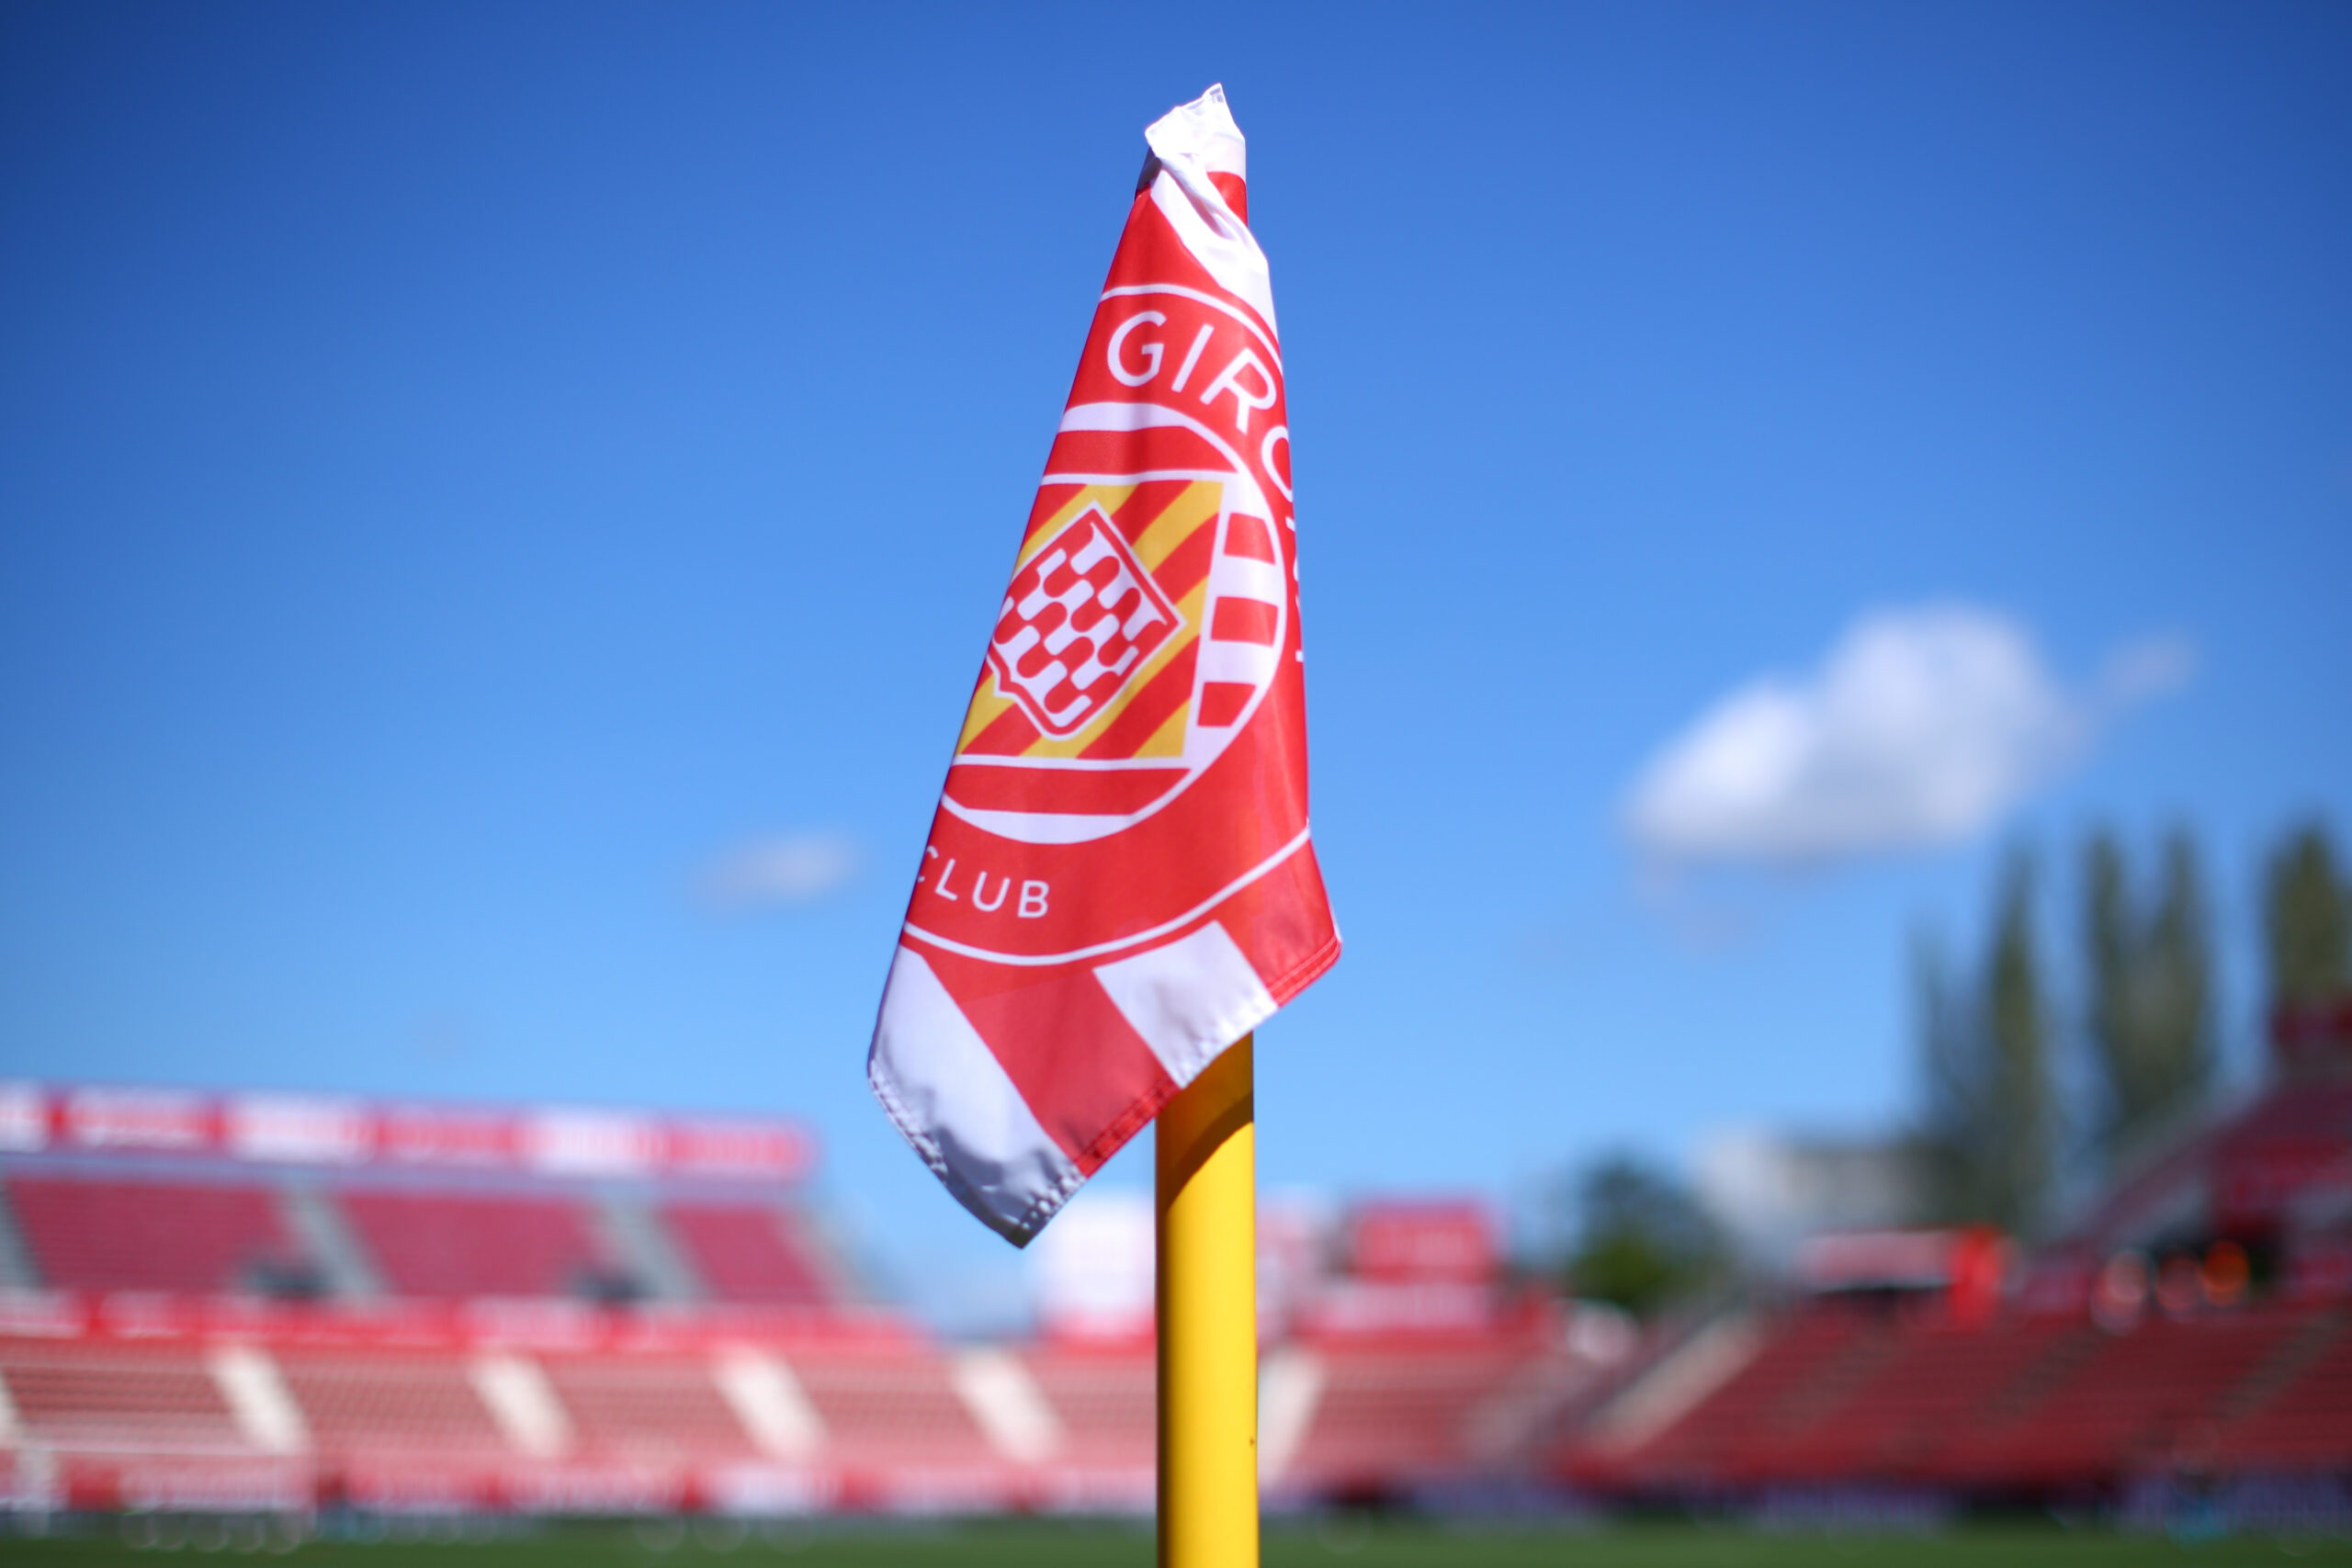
(1208, 1318)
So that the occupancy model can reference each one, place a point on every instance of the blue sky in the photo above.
(501, 507)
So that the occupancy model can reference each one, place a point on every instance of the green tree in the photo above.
(1991, 1122)
(2308, 920)
(2151, 1012)
(2021, 1132)
(1642, 1241)
(1952, 1078)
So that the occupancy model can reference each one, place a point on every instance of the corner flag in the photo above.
(1119, 882)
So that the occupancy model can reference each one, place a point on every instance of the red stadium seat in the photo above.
(888, 1410)
(1107, 1403)
(1902, 1403)
(1392, 1417)
(477, 1244)
(136, 1235)
(746, 1252)
(117, 1397)
(663, 1409)
(417, 1406)
(2305, 1425)
(2021, 1404)
(1701, 1444)
(2114, 1404)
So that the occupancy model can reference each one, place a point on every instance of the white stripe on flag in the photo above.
(1189, 1000)
(1189, 142)
(1243, 661)
(948, 1094)
(1243, 577)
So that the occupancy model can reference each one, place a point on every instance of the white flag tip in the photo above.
(1203, 130)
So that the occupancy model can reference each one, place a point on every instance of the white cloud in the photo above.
(767, 873)
(1920, 726)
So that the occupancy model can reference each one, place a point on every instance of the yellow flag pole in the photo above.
(1208, 1318)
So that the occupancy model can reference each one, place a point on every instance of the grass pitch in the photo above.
(1051, 1545)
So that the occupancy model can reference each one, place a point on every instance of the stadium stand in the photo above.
(262, 1302)
(2188, 1327)
(1391, 1421)
(1106, 1404)
(2114, 1404)
(2299, 1420)
(483, 1244)
(663, 1409)
(113, 1396)
(1914, 1391)
(884, 1411)
(1706, 1444)
(92, 1234)
(2018, 1407)
(412, 1407)
(749, 1252)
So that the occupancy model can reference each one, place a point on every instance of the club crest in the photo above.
(1149, 606)
(1078, 621)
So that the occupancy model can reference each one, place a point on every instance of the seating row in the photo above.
(1362, 1419)
(197, 1237)
(1833, 1397)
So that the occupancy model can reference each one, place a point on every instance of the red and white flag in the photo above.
(1119, 882)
